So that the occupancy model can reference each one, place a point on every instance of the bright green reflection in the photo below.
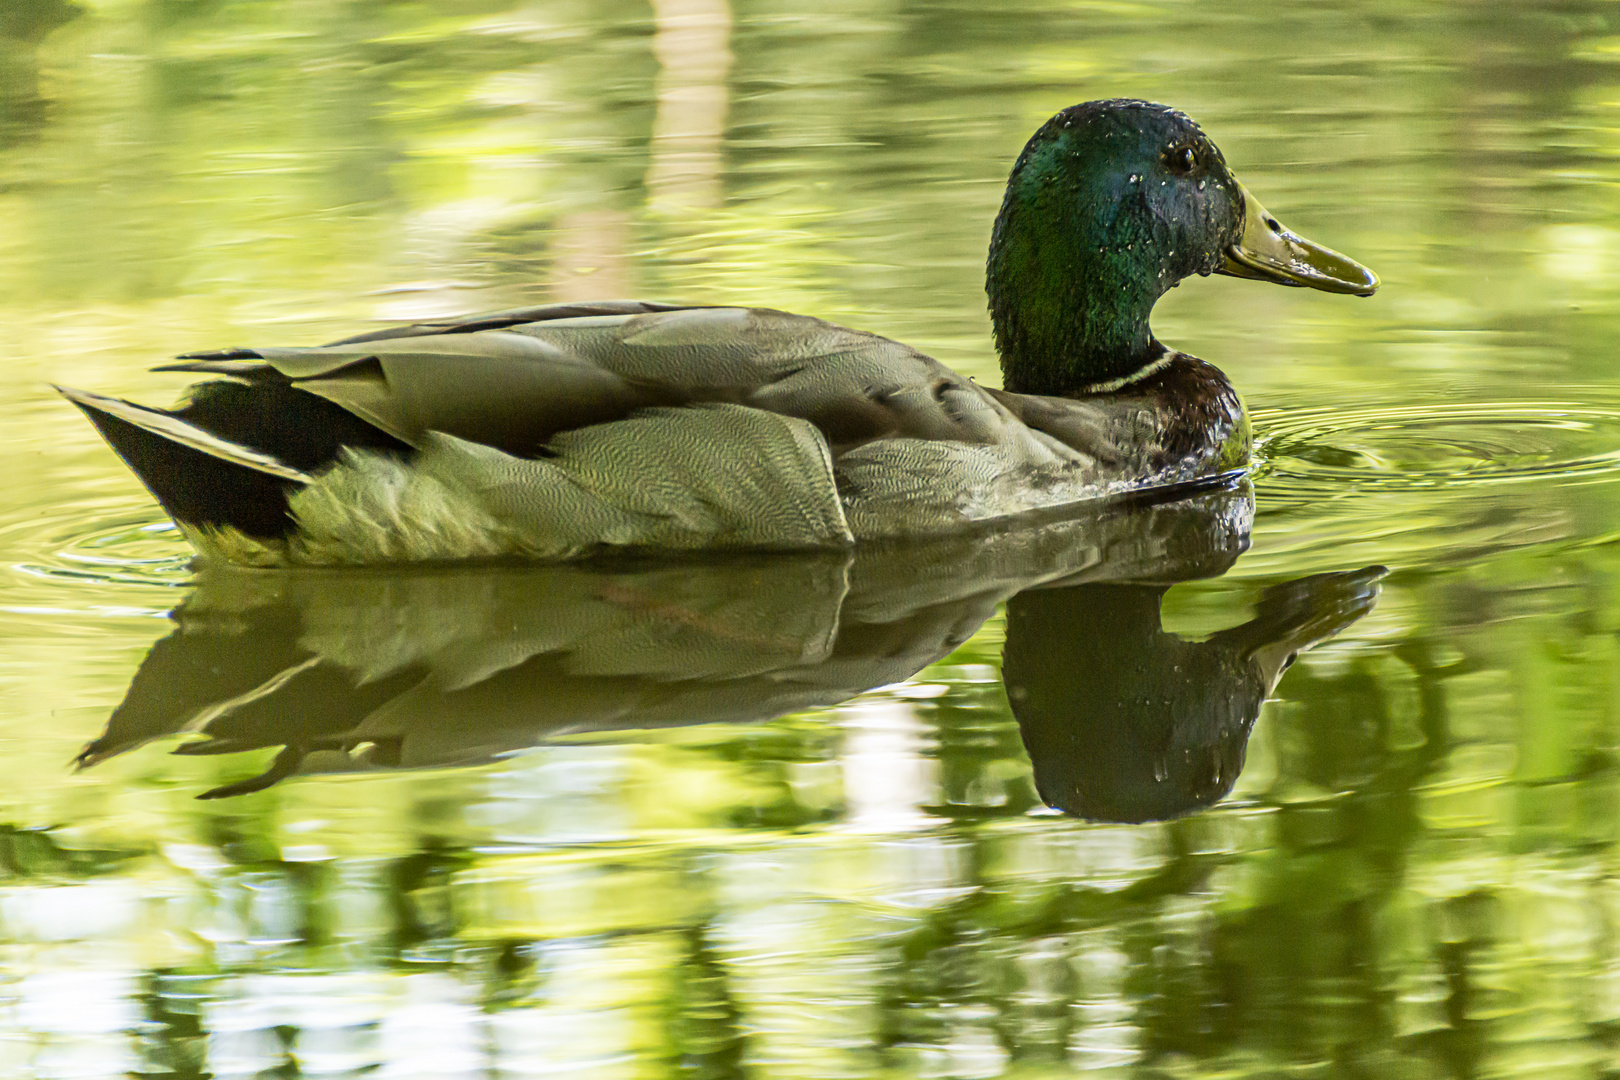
(1411, 876)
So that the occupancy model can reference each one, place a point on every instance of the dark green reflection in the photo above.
(1125, 722)
(23, 25)
(349, 671)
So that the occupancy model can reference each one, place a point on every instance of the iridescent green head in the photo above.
(1109, 206)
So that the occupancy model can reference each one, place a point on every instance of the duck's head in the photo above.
(1111, 204)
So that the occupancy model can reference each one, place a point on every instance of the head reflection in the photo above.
(356, 671)
(1125, 722)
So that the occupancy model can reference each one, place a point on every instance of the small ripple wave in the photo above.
(80, 544)
(1336, 451)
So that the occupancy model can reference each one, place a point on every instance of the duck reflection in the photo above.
(424, 668)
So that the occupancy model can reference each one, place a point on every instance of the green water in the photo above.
(586, 843)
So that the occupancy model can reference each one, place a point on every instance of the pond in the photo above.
(1055, 798)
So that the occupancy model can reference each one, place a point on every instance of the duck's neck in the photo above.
(1072, 282)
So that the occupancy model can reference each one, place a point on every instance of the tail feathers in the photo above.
(200, 478)
(171, 427)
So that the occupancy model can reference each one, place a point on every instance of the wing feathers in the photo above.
(518, 381)
(497, 320)
(711, 476)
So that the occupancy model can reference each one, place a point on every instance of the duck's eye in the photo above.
(1181, 159)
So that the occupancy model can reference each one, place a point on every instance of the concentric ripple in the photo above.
(1335, 451)
(75, 544)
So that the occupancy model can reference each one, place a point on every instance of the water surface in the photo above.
(712, 859)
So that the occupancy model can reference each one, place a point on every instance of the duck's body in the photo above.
(555, 431)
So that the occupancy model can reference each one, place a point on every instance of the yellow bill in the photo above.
(1268, 252)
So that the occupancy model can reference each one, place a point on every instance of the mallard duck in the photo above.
(561, 430)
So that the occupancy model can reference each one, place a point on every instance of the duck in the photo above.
(571, 429)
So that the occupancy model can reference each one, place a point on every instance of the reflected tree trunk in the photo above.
(692, 44)
(589, 256)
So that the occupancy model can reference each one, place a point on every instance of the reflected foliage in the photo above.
(24, 24)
